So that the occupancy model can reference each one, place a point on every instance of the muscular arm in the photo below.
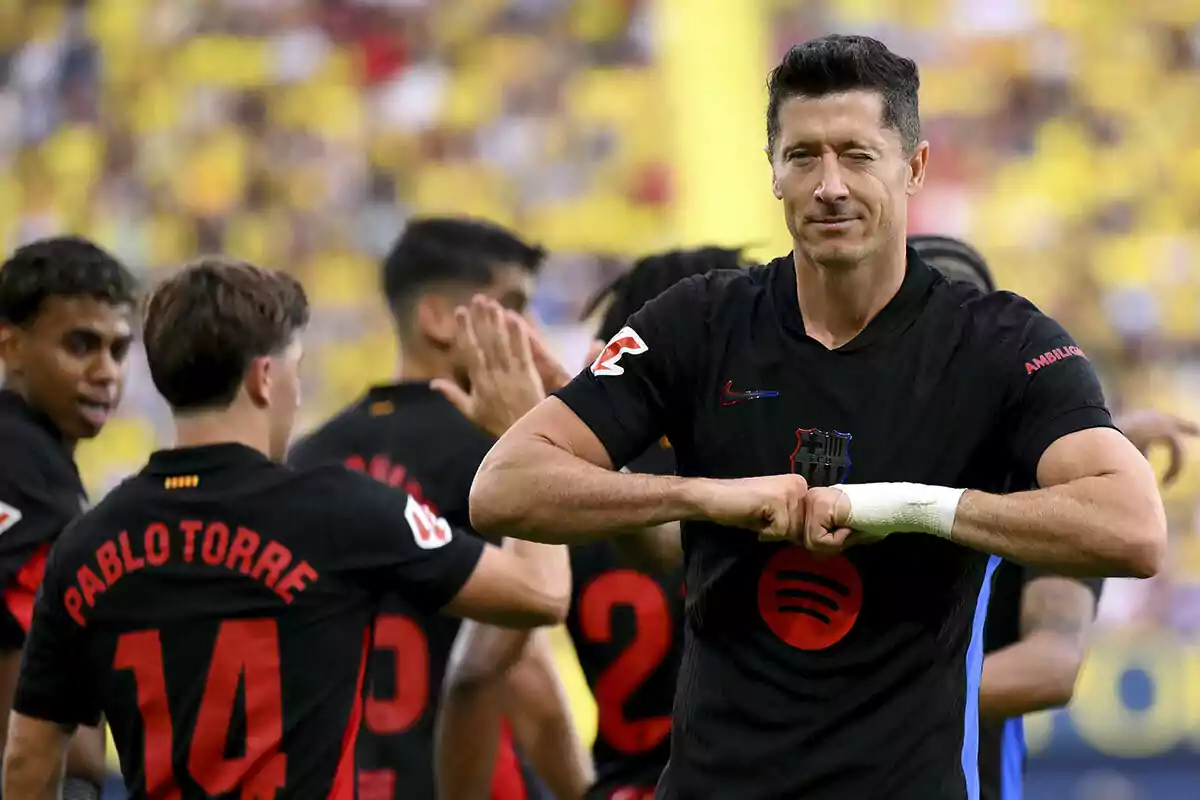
(536, 706)
(468, 727)
(494, 671)
(1098, 513)
(550, 479)
(86, 754)
(1039, 670)
(34, 758)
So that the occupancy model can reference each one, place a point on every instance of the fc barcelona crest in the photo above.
(821, 457)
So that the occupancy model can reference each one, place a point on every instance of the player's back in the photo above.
(626, 624)
(226, 604)
(627, 627)
(409, 437)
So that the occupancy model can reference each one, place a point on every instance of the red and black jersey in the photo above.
(855, 675)
(409, 437)
(217, 608)
(627, 627)
(40, 493)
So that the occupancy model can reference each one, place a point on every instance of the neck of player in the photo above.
(226, 426)
(421, 365)
(838, 302)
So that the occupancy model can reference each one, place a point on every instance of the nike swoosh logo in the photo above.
(731, 398)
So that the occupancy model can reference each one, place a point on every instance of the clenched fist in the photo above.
(772, 506)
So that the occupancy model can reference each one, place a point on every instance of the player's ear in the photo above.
(775, 190)
(916, 168)
(258, 381)
(10, 347)
(433, 318)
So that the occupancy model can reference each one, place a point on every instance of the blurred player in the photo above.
(849, 399)
(217, 606)
(1038, 623)
(64, 338)
(627, 594)
(407, 435)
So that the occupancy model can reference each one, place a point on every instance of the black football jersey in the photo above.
(40, 492)
(408, 436)
(1002, 744)
(627, 627)
(217, 609)
(857, 675)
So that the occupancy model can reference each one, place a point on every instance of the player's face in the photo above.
(70, 362)
(843, 176)
(284, 398)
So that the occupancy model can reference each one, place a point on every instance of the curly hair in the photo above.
(62, 266)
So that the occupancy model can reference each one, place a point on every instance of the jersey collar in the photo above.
(204, 458)
(897, 315)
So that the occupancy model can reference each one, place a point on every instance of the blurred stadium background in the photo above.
(301, 133)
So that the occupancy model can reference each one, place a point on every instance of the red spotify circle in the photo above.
(809, 603)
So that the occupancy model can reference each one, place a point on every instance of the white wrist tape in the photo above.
(883, 508)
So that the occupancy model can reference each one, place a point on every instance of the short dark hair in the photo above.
(955, 259)
(206, 323)
(649, 277)
(835, 64)
(62, 266)
(441, 250)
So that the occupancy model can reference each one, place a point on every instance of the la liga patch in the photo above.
(9, 516)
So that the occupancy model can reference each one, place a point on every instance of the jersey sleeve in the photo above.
(55, 684)
(398, 545)
(634, 391)
(659, 459)
(1054, 391)
(30, 513)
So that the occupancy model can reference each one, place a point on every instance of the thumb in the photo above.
(454, 393)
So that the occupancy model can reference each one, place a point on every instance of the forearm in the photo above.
(1033, 674)
(33, 761)
(85, 755)
(468, 731)
(536, 705)
(535, 490)
(550, 568)
(1089, 527)
(468, 738)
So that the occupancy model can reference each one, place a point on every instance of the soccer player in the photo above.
(849, 399)
(65, 335)
(1038, 623)
(627, 601)
(407, 435)
(217, 606)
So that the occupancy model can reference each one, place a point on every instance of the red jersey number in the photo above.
(410, 649)
(246, 657)
(651, 643)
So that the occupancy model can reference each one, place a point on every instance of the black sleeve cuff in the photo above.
(599, 416)
(456, 570)
(1079, 419)
(50, 706)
